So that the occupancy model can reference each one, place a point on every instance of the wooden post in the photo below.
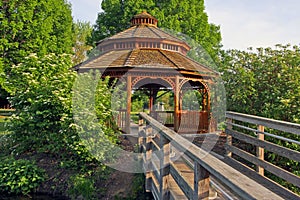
(140, 135)
(164, 167)
(229, 137)
(127, 124)
(259, 150)
(176, 103)
(148, 164)
(201, 182)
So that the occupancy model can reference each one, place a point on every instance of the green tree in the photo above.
(265, 82)
(81, 31)
(33, 26)
(186, 16)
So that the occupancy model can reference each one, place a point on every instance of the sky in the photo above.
(243, 23)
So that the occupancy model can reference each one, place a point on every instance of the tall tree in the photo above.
(34, 26)
(82, 31)
(186, 16)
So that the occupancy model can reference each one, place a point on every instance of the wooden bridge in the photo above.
(177, 169)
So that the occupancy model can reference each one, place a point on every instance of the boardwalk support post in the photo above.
(164, 167)
(148, 167)
(259, 150)
(201, 182)
(229, 137)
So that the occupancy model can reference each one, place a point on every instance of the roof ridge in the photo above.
(132, 35)
(154, 31)
(128, 61)
(161, 51)
(205, 66)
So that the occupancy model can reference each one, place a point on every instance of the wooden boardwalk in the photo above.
(177, 169)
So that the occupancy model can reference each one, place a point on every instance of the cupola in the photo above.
(143, 18)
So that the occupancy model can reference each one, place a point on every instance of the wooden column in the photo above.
(176, 104)
(127, 124)
(148, 156)
(164, 167)
(151, 100)
(229, 137)
(259, 150)
(141, 135)
(201, 182)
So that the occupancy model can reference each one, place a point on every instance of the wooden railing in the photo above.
(165, 177)
(193, 121)
(121, 119)
(190, 121)
(250, 131)
(6, 112)
(164, 117)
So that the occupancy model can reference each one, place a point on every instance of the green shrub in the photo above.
(19, 176)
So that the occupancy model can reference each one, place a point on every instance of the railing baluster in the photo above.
(164, 167)
(229, 137)
(140, 135)
(259, 150)
(148, 168)
(201, 182)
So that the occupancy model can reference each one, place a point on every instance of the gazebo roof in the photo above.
(146, 58)
(143, 45)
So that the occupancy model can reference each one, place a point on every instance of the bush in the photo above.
(19, 176)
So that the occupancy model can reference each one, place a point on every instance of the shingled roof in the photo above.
(143, 45)
(146, 58)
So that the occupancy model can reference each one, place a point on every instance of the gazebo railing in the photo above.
(189, 121)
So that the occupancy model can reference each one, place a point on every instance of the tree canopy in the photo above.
(34, 26)
(264, 82)
(81, 32)
(186, 16)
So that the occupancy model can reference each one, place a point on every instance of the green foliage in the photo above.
(41, 89)
(19, 176)
(81, 31)
(43, 122)
(139, 101)
(93, 114)
(264, 83)
(82, 186)
(186, 16)
(34, 26)
(192, 100)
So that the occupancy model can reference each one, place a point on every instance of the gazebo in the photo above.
(148, 58)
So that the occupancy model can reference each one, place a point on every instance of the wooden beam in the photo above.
(271, 123)
(288, 176)
(201, 182)
(164, 167)
(176, 104)
(229, 137)
(127, 124)
(280, 150)
(259, 150)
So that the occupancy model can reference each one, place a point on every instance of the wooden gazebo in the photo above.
(146, 57)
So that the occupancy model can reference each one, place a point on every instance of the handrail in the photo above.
(155, 141)
(236, 129)
(271, 123)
